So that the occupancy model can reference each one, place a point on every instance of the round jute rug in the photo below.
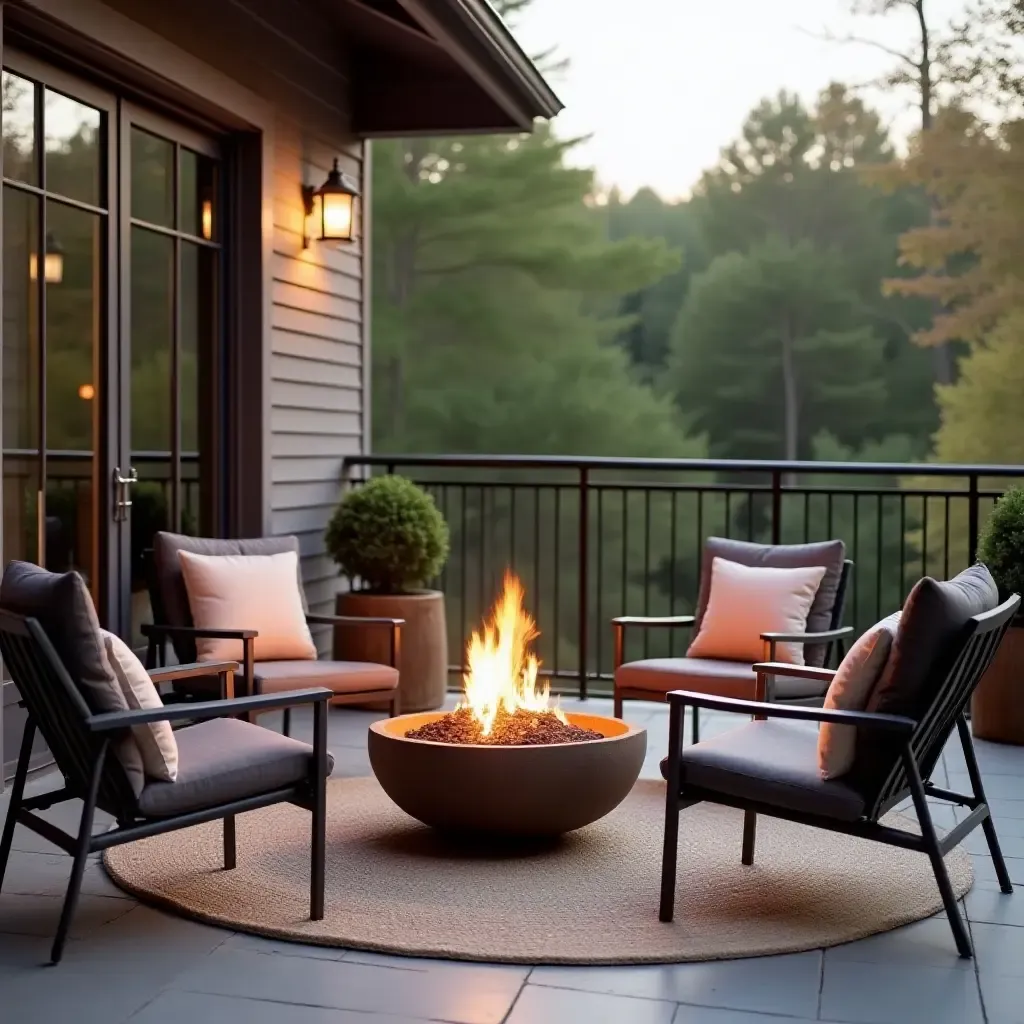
(591, 897)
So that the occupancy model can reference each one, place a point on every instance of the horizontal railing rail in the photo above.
(597, 537)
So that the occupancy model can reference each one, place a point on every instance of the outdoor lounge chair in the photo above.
(225, 765)
(769, 766)
(651, 679)
(350, 682)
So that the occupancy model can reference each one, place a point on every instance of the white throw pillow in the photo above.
(155, 740)
(746, 601)
(850, 690)
(258, 592)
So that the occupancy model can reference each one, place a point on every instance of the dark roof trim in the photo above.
(473, 30)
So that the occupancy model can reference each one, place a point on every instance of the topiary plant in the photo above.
(388, 534)
(1001, 546)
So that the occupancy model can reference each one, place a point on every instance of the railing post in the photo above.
(972, 518)
(584, 557)
(776, 506)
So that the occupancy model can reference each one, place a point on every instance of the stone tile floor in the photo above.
(126, 962)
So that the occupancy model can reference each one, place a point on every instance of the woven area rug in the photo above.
(591, 897)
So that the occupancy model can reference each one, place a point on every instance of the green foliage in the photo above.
(1001, 545)
(389, 534)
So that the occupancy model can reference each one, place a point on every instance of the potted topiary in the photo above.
(997, 709)
(389, 539)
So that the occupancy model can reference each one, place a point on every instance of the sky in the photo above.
(662, 85)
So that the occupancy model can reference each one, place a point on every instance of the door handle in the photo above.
(122, 490)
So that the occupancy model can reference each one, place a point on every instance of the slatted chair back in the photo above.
(58, 711)
(972, 654)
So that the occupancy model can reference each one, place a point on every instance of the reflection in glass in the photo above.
(21, 463)
(197, 214)
(72, 148)
(73, 327)
(152, 161)
(19, 117)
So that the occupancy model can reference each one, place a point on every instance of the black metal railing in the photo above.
(592, 538)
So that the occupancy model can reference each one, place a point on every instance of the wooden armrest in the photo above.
(763, 709)
(195, 670)
(206, 709)
(158, 631)
(352, 620)
(653, 620)
(809, 638)
(782, 668)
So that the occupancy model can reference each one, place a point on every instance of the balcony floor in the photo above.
(128, 962)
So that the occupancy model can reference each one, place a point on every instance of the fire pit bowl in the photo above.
(509, 791)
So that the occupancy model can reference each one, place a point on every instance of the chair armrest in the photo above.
(653, 620)
(206, 709)
(352, 620)
(152, 629)
(808, 638)
(782, 668)
(192, 671)
(762, 709)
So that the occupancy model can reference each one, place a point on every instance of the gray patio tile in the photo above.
(258, 944)
(476, 994)
(1005, 809)
(1011, 845)
(50, 996)
(539, 1005)
(38, 915)
(994, 907)
(786, 985)
(985, 873)
(999, 949)
(47, 874)
(706, 1015)
(997, 787)
(457, 969)
(899, 994)
(927, 943)
(173, 1007)
(1001, 994)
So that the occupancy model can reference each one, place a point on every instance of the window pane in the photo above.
(152, 162)
(19, 116)
(197, 206)
(73, 155)
(74, 318)
(20, 377)
(152, 325)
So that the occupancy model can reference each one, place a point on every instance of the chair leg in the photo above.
(318, 840)
(230, 847)
(17, 792)
(286, 722)
(670, 851)
(695, 726)
(393, 712)
(931, 842)
(749, 837)
(617, 705)
(988, 825)
(81, 855)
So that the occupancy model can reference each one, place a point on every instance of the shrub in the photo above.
(389, 535)
(1001, 546)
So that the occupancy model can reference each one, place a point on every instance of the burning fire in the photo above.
(502, 668)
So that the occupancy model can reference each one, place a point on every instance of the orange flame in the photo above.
(502, 668)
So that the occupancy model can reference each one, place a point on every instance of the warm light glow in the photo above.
(502, 668)
(337, 216)
(207, 218)
(86, 392)
(53, 267)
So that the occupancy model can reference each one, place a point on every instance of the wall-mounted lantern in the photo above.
(53, 262)
(335, 213)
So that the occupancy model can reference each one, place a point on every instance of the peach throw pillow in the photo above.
(746, 601)
(258, 592)
(850, 690)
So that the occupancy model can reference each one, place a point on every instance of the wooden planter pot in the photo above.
(424, 651)
(997, 708)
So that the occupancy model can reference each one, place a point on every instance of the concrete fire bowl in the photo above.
(525, 791)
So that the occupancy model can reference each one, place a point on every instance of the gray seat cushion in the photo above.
(713, 676)
(773, 762)
(343, 677)
(225, 759)
(829, 554)
(170, 582)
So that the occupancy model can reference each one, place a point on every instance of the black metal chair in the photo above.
(241, 765)
(767, 767)
(650, 679)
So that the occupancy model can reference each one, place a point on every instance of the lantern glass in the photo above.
(336, 209)
(53, 267)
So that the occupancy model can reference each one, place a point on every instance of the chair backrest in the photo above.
(962, 669)
(831, 591)
(167, 592)
(58, 710)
